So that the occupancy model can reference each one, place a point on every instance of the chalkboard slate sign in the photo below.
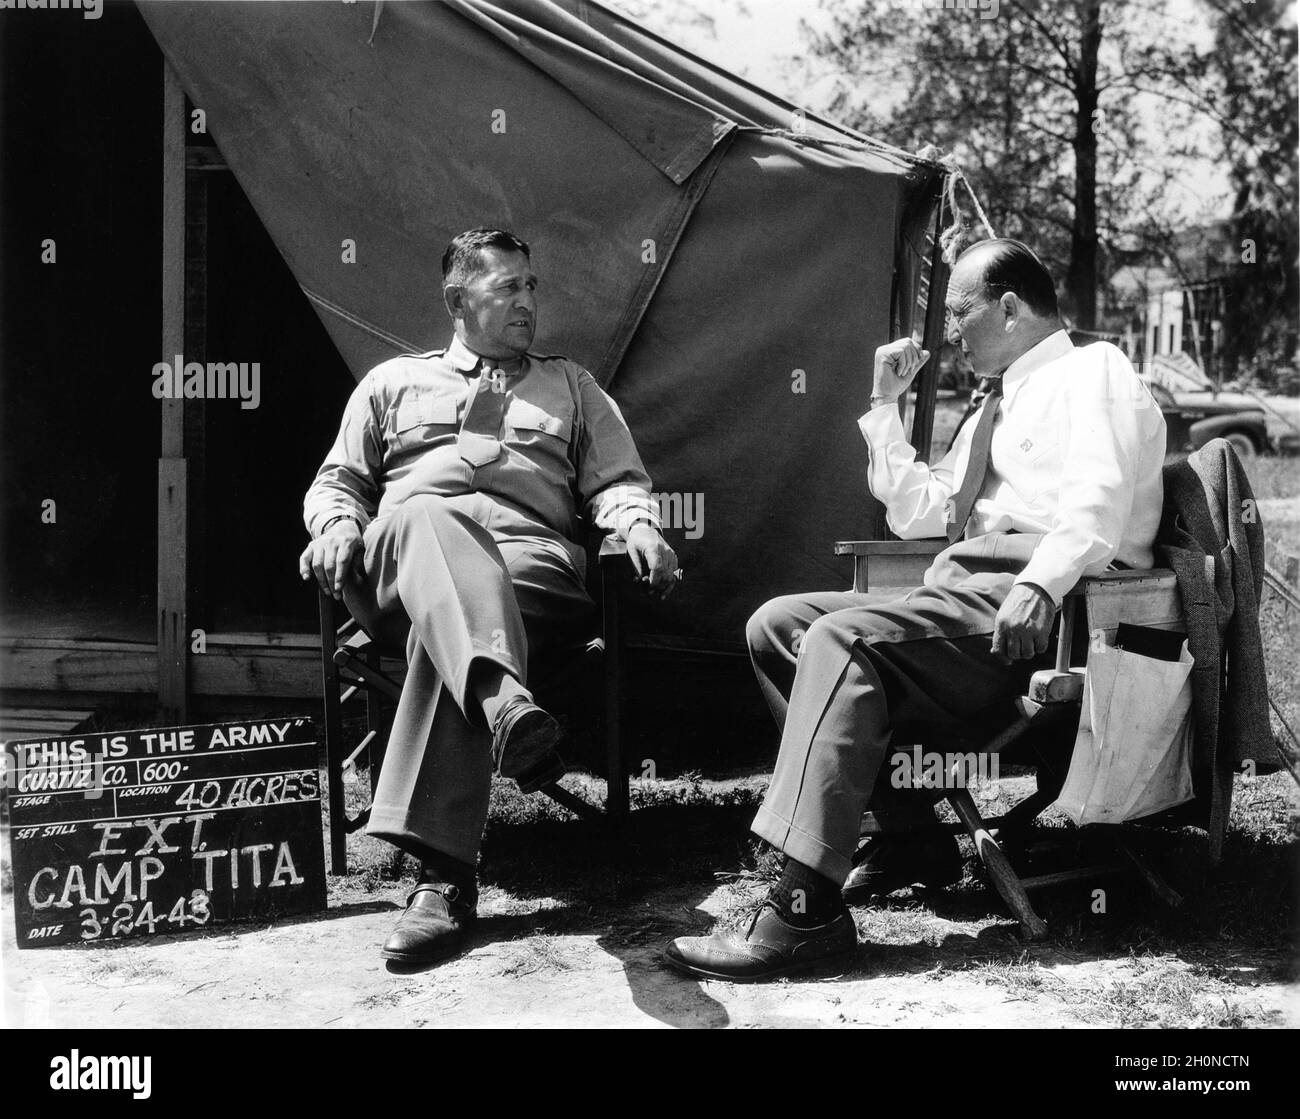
(163, 831)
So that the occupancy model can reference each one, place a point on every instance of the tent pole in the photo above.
(173, 512)
(927, 381)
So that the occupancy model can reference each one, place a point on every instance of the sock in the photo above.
(438, 867)
(804, 897)
(493, 688)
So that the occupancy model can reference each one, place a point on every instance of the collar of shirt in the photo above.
(1050, 349)
(465, 360)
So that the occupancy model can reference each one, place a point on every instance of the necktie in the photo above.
(479, 441)
(977, 395)
(972, 481)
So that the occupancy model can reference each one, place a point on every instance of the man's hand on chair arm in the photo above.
(333, 556)
(653, 560)
(1024, 623)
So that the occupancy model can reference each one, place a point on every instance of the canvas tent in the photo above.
(695, 250)
(723, 263)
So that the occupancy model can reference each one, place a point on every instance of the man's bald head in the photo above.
(1002, 265)
(1001, 303)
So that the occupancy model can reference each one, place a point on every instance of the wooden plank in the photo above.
(265, 640)
(98, 666)
(173, 251)
(270, 672)
(36, 667)
(926, 547)
(81, 644)
(173, 626)
(195, 411)
(20, 729)
(45, 713)
(31, 728)
(68, 698)
(53, 720)
(170, 655)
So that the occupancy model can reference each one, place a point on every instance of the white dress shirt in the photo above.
(1078, 447)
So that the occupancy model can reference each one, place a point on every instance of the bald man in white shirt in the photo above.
(1057, 476)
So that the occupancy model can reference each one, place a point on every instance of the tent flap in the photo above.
(672, 132)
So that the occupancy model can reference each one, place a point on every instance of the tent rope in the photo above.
(949, 238)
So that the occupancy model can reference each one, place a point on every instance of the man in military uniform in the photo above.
(445, 516)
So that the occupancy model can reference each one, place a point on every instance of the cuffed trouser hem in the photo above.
(402, 830)
(801, 845)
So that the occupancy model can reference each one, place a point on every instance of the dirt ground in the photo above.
(565, 942)
(327, 973)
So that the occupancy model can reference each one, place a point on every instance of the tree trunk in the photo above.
(1082, 280)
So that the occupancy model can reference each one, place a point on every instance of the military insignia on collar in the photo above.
(1026, 445)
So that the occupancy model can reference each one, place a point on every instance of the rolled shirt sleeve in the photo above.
(347, 482)
(612, 483)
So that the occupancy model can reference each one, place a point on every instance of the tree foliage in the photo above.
(1073, 120)
(1254, 102)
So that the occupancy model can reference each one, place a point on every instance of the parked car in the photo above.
(1192, 419)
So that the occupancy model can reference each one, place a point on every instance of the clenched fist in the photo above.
(896, 364)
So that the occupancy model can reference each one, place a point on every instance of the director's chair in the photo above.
(352, 669)
(1038, 727)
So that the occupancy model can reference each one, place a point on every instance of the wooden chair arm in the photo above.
(1122, 579)
(611, 548)
(889, 563)
(930, 546)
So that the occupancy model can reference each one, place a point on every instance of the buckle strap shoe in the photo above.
(436, 925)
(524, 740)
(889, 862)
(771, 947)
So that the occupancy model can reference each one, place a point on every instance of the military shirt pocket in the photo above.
(527, 420)
(421, 420)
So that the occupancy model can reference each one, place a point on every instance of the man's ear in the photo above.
(1009, 303)
(453, 297)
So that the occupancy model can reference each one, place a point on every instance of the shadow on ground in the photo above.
(683, 866)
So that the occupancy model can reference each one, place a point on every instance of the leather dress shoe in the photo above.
(437, 922)
(889, 862)
(771, 947)
(524, 740)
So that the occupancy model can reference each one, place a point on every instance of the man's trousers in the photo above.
(844, 672)
(465, 582)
